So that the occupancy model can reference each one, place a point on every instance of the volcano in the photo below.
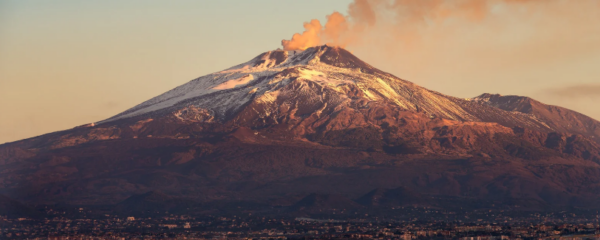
(288, 125)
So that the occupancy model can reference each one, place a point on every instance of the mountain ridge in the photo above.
(552, 115)
(313, 63)
(319, 121)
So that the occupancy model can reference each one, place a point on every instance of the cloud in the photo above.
(576, 91)
(373, 17)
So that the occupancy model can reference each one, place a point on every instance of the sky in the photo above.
(66, 63)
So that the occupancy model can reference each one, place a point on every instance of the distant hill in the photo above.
(12, 208)
(154, 202)
(400, 196)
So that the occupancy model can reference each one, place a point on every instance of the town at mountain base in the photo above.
(310, 130)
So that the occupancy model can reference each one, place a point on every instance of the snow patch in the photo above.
(322, 78)
(234, 82)
(268, 97)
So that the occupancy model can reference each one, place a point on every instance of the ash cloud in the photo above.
(576, 91)
(400, 22)
(366, 15)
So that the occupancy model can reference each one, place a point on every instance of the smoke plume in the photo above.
(467, 47)
(403, 20)
(576, 91)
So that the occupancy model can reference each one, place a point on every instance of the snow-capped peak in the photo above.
(315, 80)
(228, 89)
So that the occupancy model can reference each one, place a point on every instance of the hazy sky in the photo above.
(67, 63)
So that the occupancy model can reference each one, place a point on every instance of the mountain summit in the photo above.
(327, 80)
(292, 124)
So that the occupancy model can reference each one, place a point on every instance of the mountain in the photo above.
(319, 121)
(280, 85)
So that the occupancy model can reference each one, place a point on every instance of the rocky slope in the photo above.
(556, 118)
(286, 125)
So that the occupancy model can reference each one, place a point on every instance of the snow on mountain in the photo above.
(320, 120)
(328, 67)
(282, 77)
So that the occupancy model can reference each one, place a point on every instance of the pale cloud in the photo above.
(576, 91)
